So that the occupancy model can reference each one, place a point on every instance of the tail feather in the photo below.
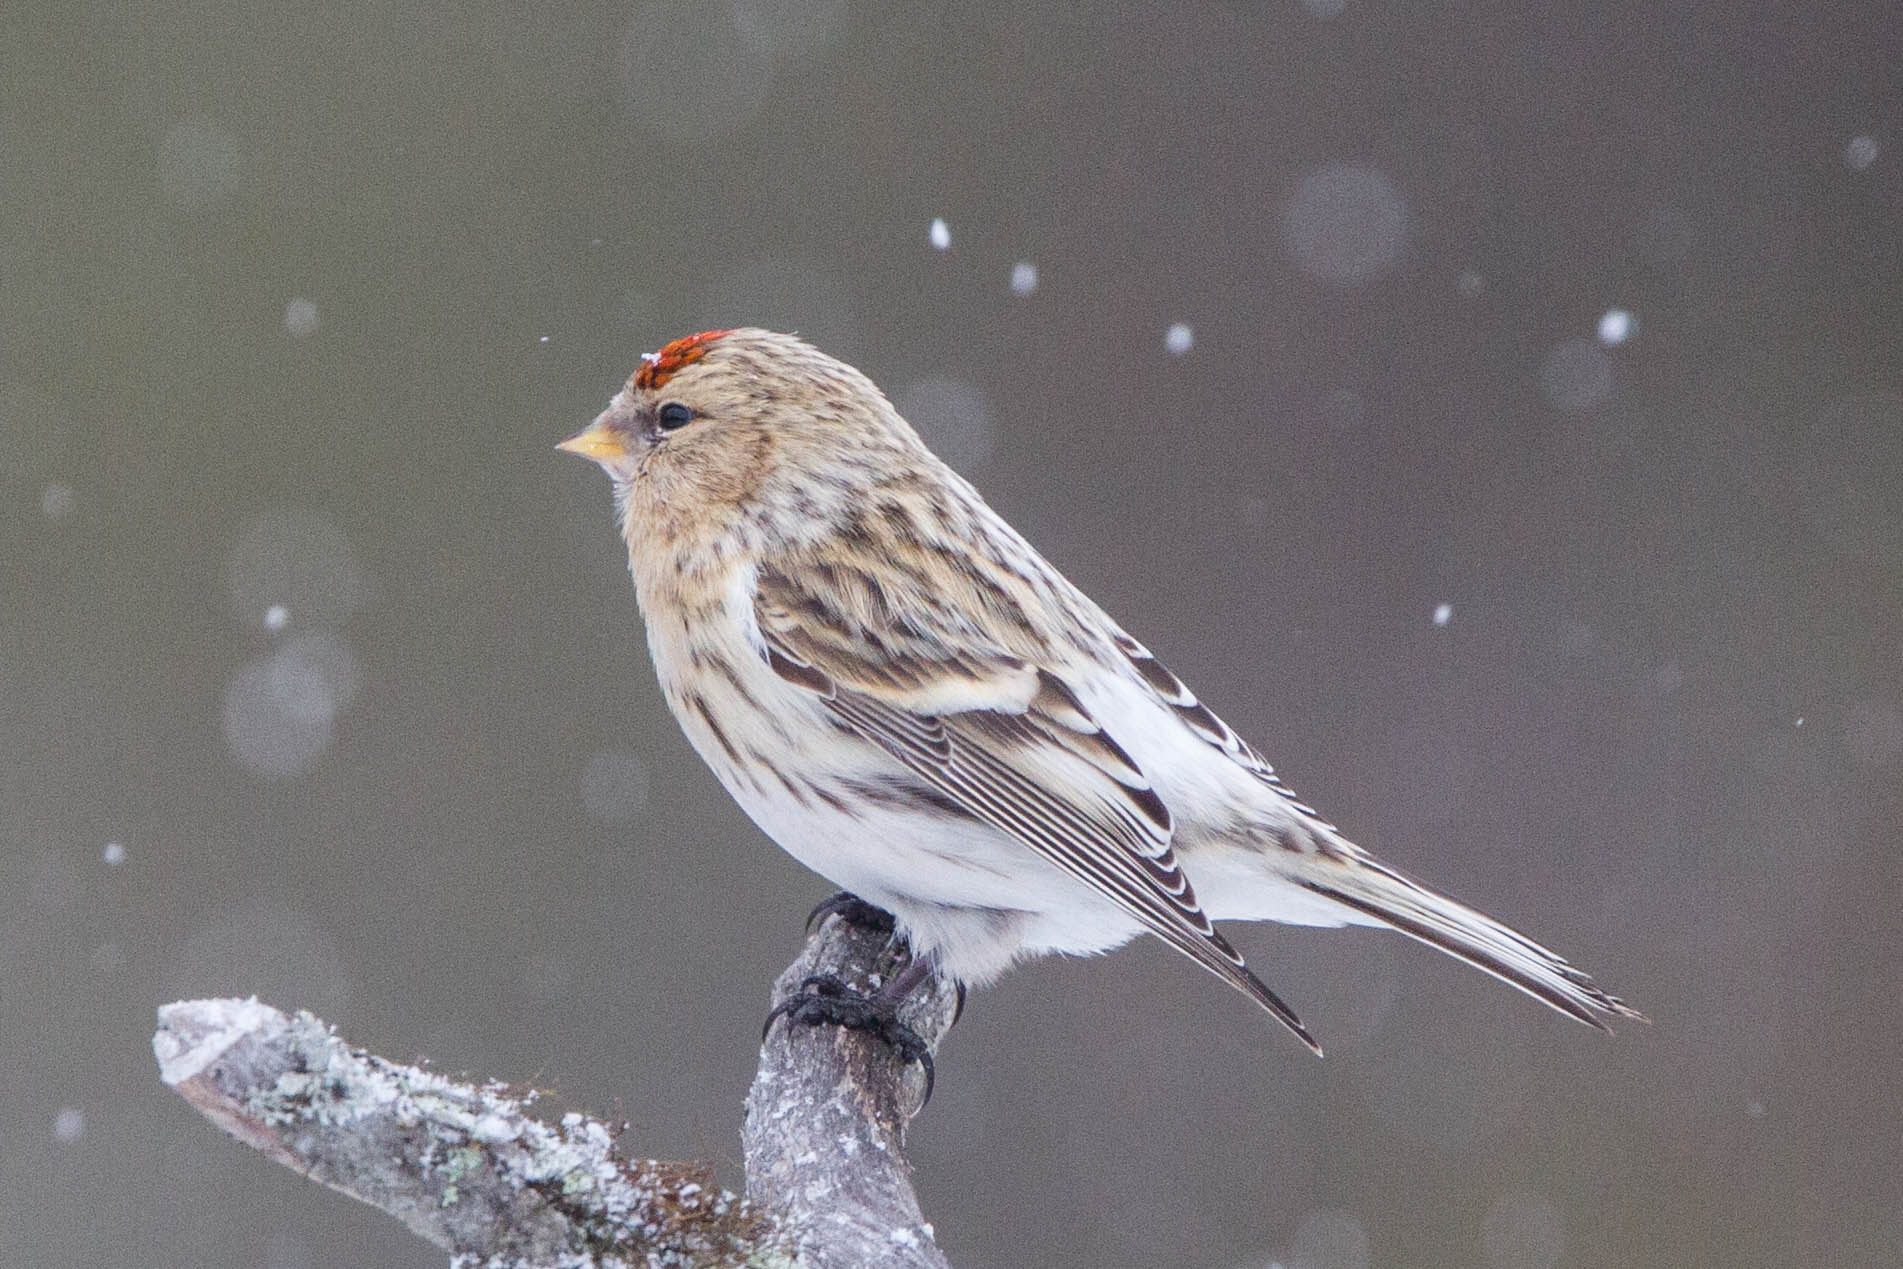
(1375, 890)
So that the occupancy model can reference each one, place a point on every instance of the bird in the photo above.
(900, 691)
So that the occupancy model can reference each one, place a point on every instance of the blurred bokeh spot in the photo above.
(1345, 223)
(300, 317)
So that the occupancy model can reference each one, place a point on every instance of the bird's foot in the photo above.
(853, 910)
(823, 1000)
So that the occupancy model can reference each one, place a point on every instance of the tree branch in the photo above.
(471, 1170)
(826, 1116)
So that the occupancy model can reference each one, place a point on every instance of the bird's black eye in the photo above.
(674, 416)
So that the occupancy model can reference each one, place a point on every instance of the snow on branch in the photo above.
(470, 1169)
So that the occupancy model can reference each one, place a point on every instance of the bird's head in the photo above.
(743, 429)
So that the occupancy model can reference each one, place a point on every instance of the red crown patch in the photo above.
(658, 367)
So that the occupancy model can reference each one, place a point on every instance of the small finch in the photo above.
(908, 698)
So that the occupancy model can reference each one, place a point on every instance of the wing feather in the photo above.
(1007, 740)
(1200, 719)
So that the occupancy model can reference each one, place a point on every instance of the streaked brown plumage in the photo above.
(910, 700)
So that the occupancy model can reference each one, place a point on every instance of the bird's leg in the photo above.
(916, 972)
(853, 910)
(825, 999)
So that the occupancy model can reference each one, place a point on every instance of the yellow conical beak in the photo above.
(597, 441)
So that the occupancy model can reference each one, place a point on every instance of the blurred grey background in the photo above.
(1496, 411)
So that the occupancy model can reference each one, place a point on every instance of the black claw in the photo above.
(823, 1000)
(853, 910)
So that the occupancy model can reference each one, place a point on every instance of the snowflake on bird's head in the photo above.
(658, 367)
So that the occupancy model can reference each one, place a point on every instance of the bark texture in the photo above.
(473, 1170)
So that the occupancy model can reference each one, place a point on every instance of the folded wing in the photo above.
(1004, 738)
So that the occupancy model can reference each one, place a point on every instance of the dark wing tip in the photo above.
(1259, 991)
(1620, 1009)
(1314, 1046)
(1604, 1003)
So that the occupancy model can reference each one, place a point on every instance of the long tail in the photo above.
(1357, 880)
